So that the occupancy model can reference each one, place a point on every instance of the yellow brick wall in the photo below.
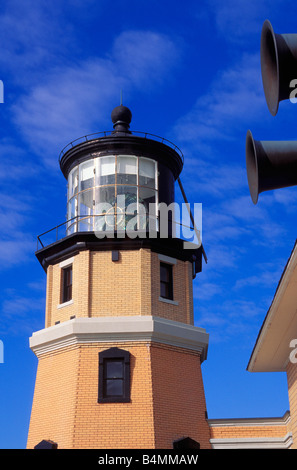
(49, 305)
(167, 396)
(224, 432)
(167, 399)
(179, 400)
(130, 286)
(116, 286)
(115, 425)
(292, 391)
(53, 408)
(80, 291)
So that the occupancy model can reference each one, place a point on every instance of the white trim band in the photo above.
(253, 443)
(244, 422)
(168, 301)
(66, 262)
(120, 329)
(167, 259)
(65, 304)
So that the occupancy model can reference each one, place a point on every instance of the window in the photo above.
(114, 376)
(166, 281)
(126, 170)
(147, 172)
(66, 291)
(121, 185)
(186, 443)
(86, 175)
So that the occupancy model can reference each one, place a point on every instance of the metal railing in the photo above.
(98, 135)
(72, 225)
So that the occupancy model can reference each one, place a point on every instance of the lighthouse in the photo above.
(119, 357)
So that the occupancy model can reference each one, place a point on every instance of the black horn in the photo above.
(270, 165)
(278, 65)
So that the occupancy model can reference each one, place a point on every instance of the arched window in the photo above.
(114, 376)
(186, 443)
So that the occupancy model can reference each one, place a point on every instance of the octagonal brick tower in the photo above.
(119, 359)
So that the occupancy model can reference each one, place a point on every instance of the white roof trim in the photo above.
(272, 349)
(254, 443)
(266, 421)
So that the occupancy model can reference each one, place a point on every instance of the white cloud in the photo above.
(228, 319)
(15, 164)
(21, 306)
(15, 242)
(71, 100)
(259, 280)
(144, 57)
(206, 290)
(65, 106)
(15, 250)
(21, 314)
(212, 175)
(224, 111)
(237, 21)
(31, 38)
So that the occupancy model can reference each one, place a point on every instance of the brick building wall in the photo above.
(167, 395)
(244, 431)
(130, 286)
(292, 391)
(52, 415)
(167, 399)
(249, 433)
(178, 393)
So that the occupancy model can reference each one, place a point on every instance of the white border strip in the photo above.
(66, 262)
(120, 329)
(272, 311)
(244, 422)
(167, 259)
(253, 443)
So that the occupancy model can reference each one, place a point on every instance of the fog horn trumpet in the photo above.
(270, 165)
(278, 65)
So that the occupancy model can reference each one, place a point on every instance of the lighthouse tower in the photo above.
(119, 359)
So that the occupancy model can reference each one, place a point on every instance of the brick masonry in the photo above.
(167, 400)
(167, 393)
(292, 391)
(130, 286)
(245, 431)
(167, 396)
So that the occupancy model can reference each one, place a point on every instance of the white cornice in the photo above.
(253, 443)
(120, 329)
(270, 421)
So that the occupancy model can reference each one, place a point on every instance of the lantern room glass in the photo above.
(109, 192)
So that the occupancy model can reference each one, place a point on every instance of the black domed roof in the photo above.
(121, 117)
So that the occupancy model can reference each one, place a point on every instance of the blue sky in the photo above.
(190, 72)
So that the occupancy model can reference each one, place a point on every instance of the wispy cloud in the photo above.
(73, 100)
(238, 22)
(144, 58)
(15, 251)
(33, 39)
(16, 242)
(233, 319)
(20, 314)
(260, 280)
(223, 112)
(207, 291)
